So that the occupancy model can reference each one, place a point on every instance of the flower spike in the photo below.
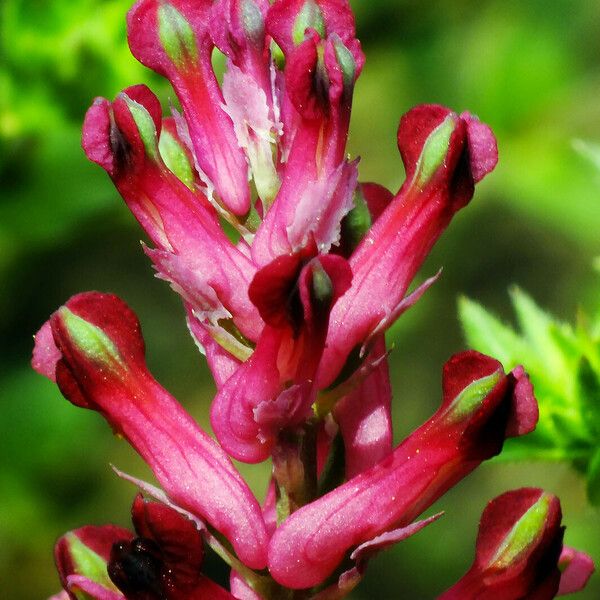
(102, 367)
(82, 558)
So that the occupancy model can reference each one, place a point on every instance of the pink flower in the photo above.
(480, 407)
(276, 387)
(519, 552)
(92, 347)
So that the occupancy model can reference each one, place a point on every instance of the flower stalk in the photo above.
(291, 315)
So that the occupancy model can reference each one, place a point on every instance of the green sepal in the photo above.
(347, 64)
(355, 224)
(469, 400)
(322, 288)
(88, 563)
(145, 126)
(253, 22)
(523, 534)
(176, 158)
(176, 36)
(310, 16)
(277, 55)
(434, 151)
(90, 340)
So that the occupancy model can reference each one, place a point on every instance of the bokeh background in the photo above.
(531, 69)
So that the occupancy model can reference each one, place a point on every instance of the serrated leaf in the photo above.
(588, 388)
(486, 333)
(541, 332)
(593, 480)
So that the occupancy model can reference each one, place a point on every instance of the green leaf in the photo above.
(593, 480)
(538, 328)
(588, 388)
(489, 335)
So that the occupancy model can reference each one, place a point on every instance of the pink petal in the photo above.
(577, 567)
(364, 417)
(45, 352)
(93, 589)
(389, 538)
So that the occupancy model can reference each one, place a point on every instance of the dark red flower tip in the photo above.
(273, 291)
(518, 548)
(95, 339)
(288, 20)
(497, 405)
(288, 291)
(164, 35)
(236, 24)
(178, 538)
(137, 569)
(118, 135)
(93, 539)
(431, 136)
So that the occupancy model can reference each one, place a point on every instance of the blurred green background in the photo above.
(530, 69)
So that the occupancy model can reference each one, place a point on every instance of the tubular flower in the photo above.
(291, 271)
(93, 349)
(519, 552)
(480, 407)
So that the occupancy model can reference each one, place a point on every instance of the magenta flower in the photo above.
(480, 407)
(92, 347)
(290, 307)
(520, 554)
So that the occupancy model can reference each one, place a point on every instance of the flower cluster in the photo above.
(290, 272)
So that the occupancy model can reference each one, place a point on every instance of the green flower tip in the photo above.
(357, 222)
(176, 36)
(310, 16)
(435, 150)
(253, 22)
(470, 399)
(145, 126)
(88, 563)
(347, 64)
(322, 288)
(176, 159)
(90, 340)
(523, 535)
